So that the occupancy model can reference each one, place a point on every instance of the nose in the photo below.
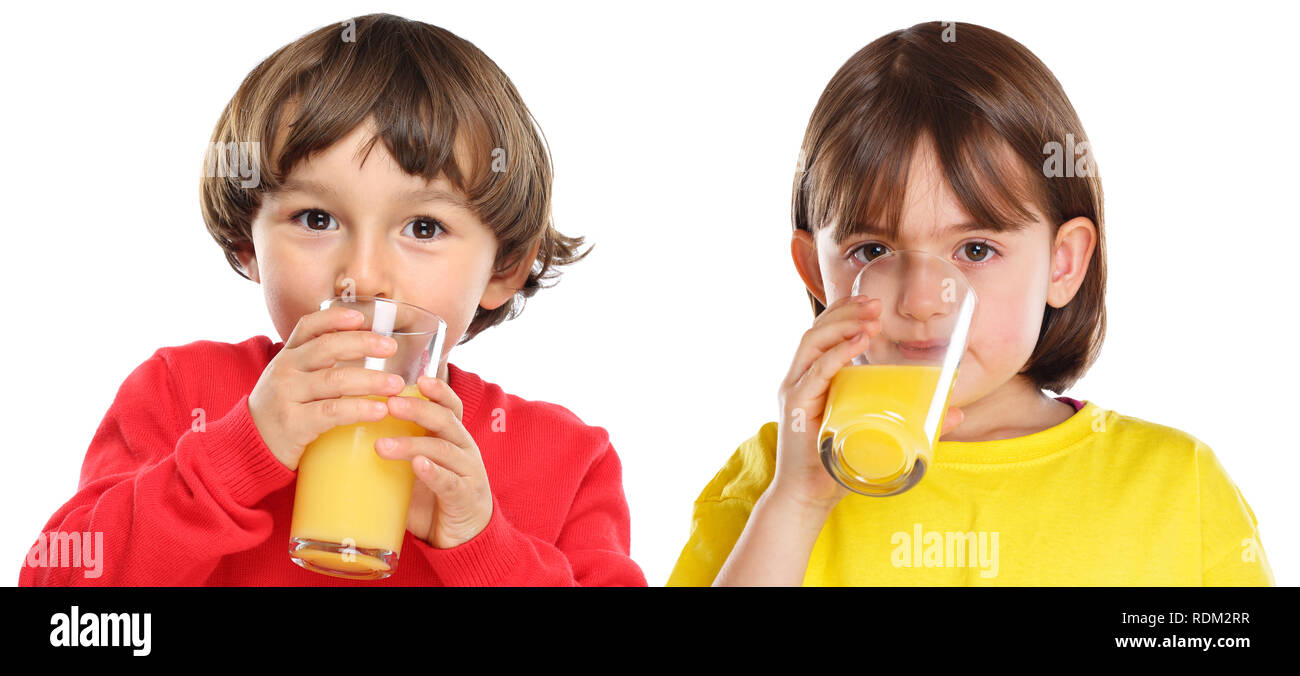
(922, 291)
(366, 268)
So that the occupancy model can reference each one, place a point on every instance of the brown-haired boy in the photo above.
(388, 158)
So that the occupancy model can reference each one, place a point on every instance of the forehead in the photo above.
(325, 172)
(359, 146)
(927, 208)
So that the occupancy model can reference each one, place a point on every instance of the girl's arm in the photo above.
(773, 549)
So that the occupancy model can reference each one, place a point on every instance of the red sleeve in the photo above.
(171, 494)
(592, 549)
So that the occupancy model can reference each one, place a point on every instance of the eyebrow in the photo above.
(409, 196)
(964, 226)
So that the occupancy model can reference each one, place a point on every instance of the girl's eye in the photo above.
(870, 251)
(977, 252)
(425, 226)
(315, 218)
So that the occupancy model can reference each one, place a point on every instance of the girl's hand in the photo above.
(451, 501)
(840, 333)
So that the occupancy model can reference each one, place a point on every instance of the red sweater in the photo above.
(181, 505)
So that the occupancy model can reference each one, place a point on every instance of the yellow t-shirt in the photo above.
(1100, 499)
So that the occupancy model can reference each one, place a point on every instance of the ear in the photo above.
(247, 257)
(803, 248)
(1075, 241)
(503, 285)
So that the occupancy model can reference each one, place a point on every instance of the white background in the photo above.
(674, 129)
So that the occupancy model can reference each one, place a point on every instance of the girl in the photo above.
(967, 148)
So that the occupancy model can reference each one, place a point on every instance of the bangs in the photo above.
(863, 181)
(861, 144)
(422, 113)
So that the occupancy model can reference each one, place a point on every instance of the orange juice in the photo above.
(881, 423)
(350, 505)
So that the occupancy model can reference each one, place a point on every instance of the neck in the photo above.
(1015, 409)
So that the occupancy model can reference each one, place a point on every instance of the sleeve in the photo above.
(722, 509)
(593, 547)
(716, 525)
(169, 495)
(1232, 553)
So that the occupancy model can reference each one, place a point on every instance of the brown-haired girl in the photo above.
(948, 139)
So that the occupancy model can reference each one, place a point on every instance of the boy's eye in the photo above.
(423, 226)
(314, 218)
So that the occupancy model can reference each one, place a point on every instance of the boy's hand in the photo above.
(451, 501)
(840, 333)
(298, 396)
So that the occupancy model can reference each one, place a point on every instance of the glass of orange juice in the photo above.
(884, 411)
(350, 505)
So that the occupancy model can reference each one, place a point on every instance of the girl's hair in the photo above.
(426, 90)
(993, 112)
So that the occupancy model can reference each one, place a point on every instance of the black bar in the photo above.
(659, 623)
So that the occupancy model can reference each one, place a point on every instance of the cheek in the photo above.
(288, 279)
(837, 278)
(454, 288)
(1006, 327)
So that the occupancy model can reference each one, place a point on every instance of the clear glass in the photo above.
(884, 411)
(350, 505)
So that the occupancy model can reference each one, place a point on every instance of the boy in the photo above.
(390, 158)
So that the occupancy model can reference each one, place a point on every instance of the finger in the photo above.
(825, 335)
(334, 318)
(440, 393)
(841, 302)
(354, 381)
(330, 413)
(440, 451)
(814, 383)
(952, 419)
(439, 480)
(324, 351)
(439, 420)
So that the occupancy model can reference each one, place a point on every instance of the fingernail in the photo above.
(383, 444)
(395, 381)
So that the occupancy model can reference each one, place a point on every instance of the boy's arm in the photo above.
(169, 495)
(1232, 554)
(591, 550)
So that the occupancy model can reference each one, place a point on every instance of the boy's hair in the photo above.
(440, 106)
(989, 107)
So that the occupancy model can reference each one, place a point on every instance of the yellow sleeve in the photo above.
(1232, 553)
(723, 508)
(716, 525)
